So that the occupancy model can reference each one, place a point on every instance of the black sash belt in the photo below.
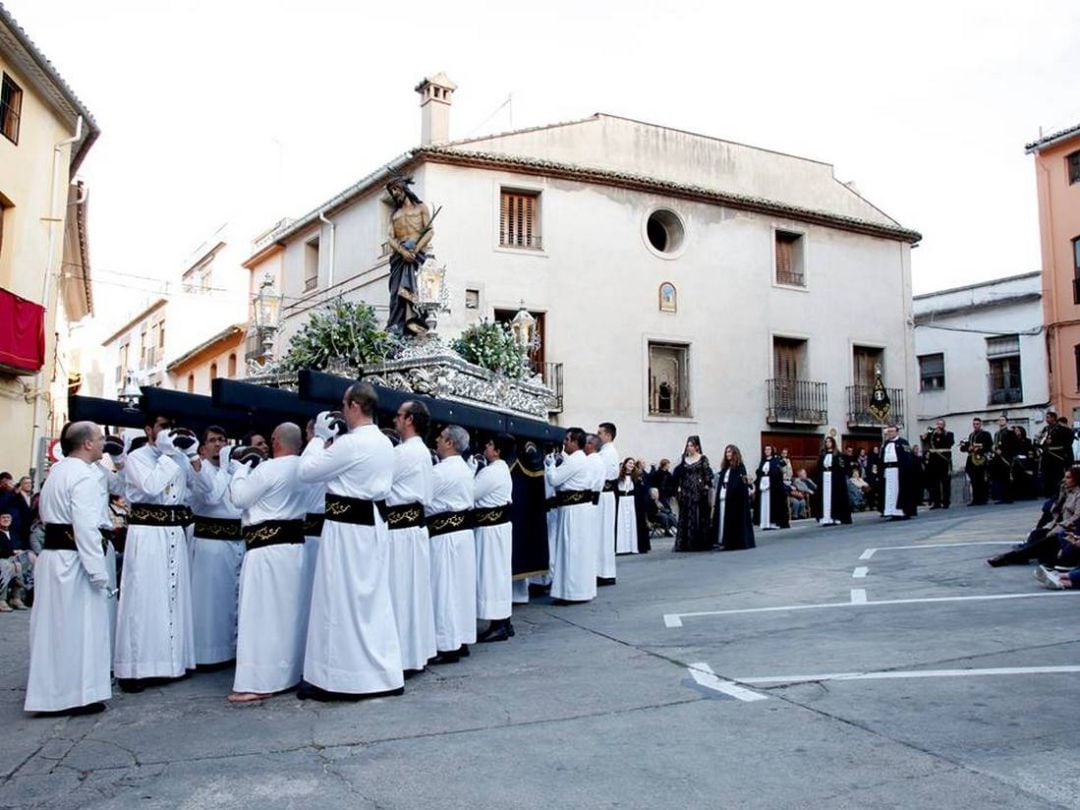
(405, 516)
(609, 486)
(573, 497)
(890, 464)
(209, 528)
(273, 533)
(147, 514)
(60, 537)
(448, 522)
(356, 511)
(313, 523)
(630, 493)
(551, 503)
(490, 516)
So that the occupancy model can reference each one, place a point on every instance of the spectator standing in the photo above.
(693, 477)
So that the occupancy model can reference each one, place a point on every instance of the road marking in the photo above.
(860, 572)
(911, 673)
(858, 596)
(702, 673)
(676, 619)
(866, 555)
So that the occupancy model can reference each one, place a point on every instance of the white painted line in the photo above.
(912, 673)
(860, 572)
(858, 596)
(675, 619)
(866, 555)
(703, 674)
(942, 545)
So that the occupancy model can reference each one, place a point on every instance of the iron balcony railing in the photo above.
(1006, 395)
(552, 375)
(797, 402)
(859, 398)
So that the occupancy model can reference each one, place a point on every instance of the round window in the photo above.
(665, 231)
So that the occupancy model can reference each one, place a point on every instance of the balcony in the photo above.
(797, 402)
(1005, 395)
(859, 415)
(552, 374)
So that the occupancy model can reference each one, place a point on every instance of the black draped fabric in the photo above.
(695, 516)
(641, 502)
(738, 529)
(778, 505)
(840, 502)
(527, 513)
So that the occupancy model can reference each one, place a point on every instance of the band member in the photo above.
(494, 540)
(606, 560)
(352, 644)
(69, 625)
(154, 622)
(272, 627)
(937, 444)
(573, 562)
(453, 548)
(900, 495)
(977, 446)
(410, 548)
(1054, 445)
(216, 555)
(1001, 464)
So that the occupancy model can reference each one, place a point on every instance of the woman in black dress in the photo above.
(770, 494)
(734, 526)
(693, 477)
(831, 499)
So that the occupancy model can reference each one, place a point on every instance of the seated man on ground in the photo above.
(800, 496)
(659, 514)
(1044, 541)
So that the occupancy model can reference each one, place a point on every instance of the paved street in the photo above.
(879, 665)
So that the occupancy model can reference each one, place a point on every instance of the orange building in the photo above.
(1057, 174)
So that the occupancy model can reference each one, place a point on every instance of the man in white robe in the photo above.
(608, 505)
(573, 563)
(598, 471)
(273, 617)
(217, 553)
(410, 548)
(69, 624)
(154, 637)
(453, 548)
(314, 518)
(352, 647)
(492, 493)
(896, 462)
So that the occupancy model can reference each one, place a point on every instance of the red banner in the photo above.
(22, 334)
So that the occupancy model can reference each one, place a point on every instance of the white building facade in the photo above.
(981, 351)
(684, 285)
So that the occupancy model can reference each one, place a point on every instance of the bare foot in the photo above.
(247, 697)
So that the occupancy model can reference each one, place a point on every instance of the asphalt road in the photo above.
(894, 686)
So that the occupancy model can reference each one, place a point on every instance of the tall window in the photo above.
(213, 371)
(519, 219)
(232, 366)
(1073, 162)
(1003, 358)
(789, 259)
(311, 265)
(669, 379)
(789, 358)
(10, 109)
(191, 383)
(866, 360)
(932, 372)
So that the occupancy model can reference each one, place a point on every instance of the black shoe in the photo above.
(307, 691)
(538, 590)
(77, 711)
(510, 628)
(500, 633)
(447, 657)
(215, 667)
(998, 561)
(412, 673)
(602, 581)
(130, 685)
(463, 651)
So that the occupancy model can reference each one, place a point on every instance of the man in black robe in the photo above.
(937, 444)
(1005, 448)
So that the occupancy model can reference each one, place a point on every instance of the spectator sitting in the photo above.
(11, 588)
(800, 495)
(659, 514)
(1046, 541)
(858, 490)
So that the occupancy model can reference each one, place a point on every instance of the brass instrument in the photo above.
(974, 450)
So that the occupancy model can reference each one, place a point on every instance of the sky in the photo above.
(250, 111)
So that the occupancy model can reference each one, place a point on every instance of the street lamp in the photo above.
(267, 315)
(131, 394)
(523, 330)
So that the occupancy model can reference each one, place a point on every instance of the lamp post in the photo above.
(267, 315)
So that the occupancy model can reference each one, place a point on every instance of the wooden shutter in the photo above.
(518, 223)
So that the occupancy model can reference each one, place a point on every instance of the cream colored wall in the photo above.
(179, 379)
(25, 170)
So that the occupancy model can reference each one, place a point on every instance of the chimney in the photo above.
(435, 92)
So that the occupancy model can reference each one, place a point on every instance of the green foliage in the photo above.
(491, 346)
(339, 333)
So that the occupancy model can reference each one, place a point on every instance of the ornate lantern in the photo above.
(267, 314)
(523, 329)
(131, 394)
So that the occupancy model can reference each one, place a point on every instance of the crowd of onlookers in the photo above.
(21, 538)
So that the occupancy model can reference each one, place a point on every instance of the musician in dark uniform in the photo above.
(1054, 446)
(978, 446)
(937, 446)
(1000, 472)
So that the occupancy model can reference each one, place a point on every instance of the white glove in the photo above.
(329, 425)
(473, 464)
(164, 444)
(549, 460)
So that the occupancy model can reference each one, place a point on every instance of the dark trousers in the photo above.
(980, 491)
(938, 484)
(1048, 548)
(1052, 474)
